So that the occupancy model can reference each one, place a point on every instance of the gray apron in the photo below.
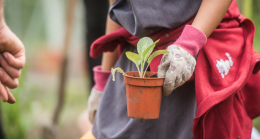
(144, 17)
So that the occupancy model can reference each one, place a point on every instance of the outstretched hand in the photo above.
(12, 60)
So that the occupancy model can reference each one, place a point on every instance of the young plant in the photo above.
(145, 47)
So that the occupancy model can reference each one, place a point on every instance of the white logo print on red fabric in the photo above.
(224, 66)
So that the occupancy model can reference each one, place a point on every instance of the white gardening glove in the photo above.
(93, 102)
(100, 78)
(178, 66)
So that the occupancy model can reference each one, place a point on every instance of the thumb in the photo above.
(11, 98)
(9, 41)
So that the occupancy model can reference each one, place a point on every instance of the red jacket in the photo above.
(225, 106)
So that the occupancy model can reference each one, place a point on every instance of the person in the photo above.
(209, 37)
(95, 15)
(12, 59)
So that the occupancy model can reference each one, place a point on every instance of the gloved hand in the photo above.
(178, 66)
(100, 78)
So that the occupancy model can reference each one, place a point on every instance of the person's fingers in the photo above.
(10, 43)
(178, 82)
(3, 93)
(17, 61)
(92, 115)
(7, 80)
(169, 82)
(13, 72)
(164, 66)
(11, 98)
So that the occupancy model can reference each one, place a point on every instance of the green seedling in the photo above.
(145, 47)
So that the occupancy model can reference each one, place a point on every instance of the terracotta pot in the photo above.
(143, 95)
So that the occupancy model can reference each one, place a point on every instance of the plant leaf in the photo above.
(148, 51)
(156, 53)
(134, 57)
(143, 44)
(113, 71)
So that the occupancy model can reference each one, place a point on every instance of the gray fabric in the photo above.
(144, 17)
(176, 114)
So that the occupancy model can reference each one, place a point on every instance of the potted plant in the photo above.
(143, 88)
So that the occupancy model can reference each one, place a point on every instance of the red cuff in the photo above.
(100, 78)
(191, 40)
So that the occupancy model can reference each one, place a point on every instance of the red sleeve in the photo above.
(251, 92)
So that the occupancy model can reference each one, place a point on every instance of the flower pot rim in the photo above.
(144, 77)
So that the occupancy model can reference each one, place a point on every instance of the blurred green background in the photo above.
(40, 25)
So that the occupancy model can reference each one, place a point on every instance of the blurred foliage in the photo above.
(256, 20)
(19, 18)
(13, 127)
(26, 20)
(16, 125)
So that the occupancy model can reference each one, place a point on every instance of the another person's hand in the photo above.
(12, 60)
(100, 78)
(178, 66)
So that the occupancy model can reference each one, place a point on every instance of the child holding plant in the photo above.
(221, 98)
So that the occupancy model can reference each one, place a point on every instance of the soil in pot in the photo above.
(143, 95)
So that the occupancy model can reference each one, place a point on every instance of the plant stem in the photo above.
(138, 70)
(142, 68)
(146, 69)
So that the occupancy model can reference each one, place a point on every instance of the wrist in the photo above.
(2, 20)
(100, 78)
(2, 23)
(191, 40)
